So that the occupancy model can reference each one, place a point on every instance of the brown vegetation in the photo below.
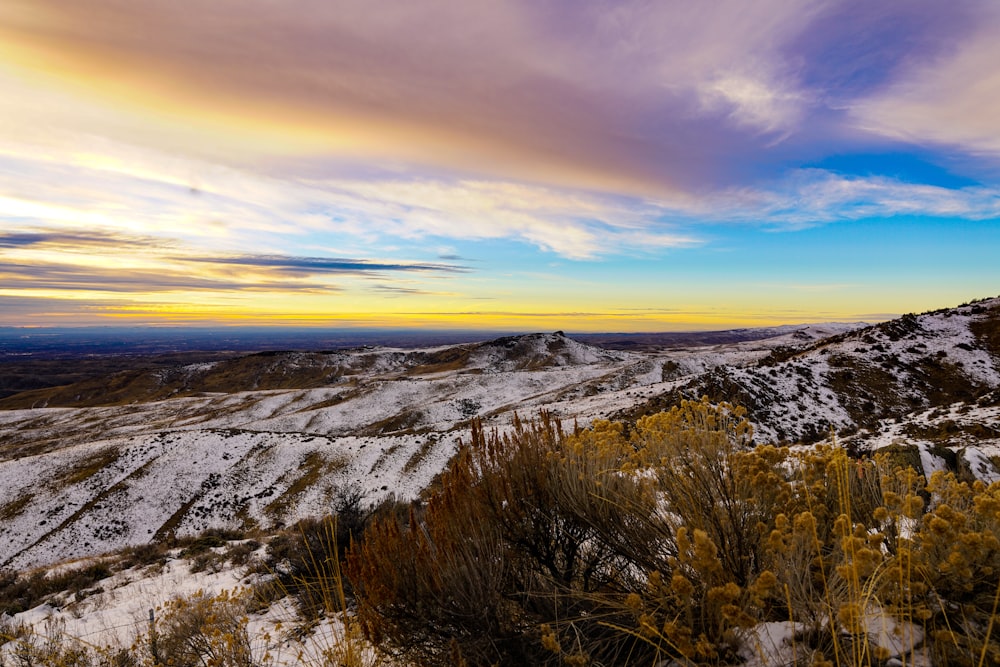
(595, 547)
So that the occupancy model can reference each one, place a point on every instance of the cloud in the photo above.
(321, 265)
(73, 240)
(947, 100)
(809, 197)
(269, 272)
(754, 103)
(35, 311)
(652, 100)
(572, 224)
(240, 210)
(48, 259)
(610, 97)
(38, 277)
(396, 290)
(852, 49)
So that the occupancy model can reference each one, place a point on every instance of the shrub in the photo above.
(304, 560)
(531, 546)
(54, 648)
(20, 592)
(673, 543)
(202, 631)
(956, 557)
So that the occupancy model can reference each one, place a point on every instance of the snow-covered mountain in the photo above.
(261, 440)
(855, 381)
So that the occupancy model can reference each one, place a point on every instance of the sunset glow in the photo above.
(600, 166)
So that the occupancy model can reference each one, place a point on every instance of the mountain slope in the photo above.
(856, 380)
(127, 465)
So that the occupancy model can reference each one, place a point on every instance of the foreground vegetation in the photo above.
(671, 540)
(674, 541)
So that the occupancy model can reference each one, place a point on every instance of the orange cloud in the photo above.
(499, 89)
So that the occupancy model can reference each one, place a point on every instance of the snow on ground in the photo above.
(930, 462)
(894, 364)
(81, 481)
(115, 615)
(797, 397)
(951, 335)
(771, 644)
(980, 465)
(189, 481)
(120, 611)
(964, 426)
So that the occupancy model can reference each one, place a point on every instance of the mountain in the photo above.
(651, 342)
(859, 379)
(260, 440)
(276, 370)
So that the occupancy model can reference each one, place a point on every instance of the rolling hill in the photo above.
(260, 440)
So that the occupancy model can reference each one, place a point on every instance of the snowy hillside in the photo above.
(76, 481)
(857, 380)
(264, 439)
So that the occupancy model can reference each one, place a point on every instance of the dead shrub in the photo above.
(202, 631)
(304, 559)
(595, 548)
(528, 551)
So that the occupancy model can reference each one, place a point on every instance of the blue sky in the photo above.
(517, 165)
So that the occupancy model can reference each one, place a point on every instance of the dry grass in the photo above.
(88, 467)
(311, 469)
(320, 584)
(404, 423)
(418, 457)
(12, 509)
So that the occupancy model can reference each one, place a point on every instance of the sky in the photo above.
(519, 165)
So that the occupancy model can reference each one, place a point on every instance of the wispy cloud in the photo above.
(758, 104)
(239, 209)
(947, 100)
(76, 240)
(809, 197)
(43, 277)
(315, 265)
(106, 262)
(397, 290)
(57, 239)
